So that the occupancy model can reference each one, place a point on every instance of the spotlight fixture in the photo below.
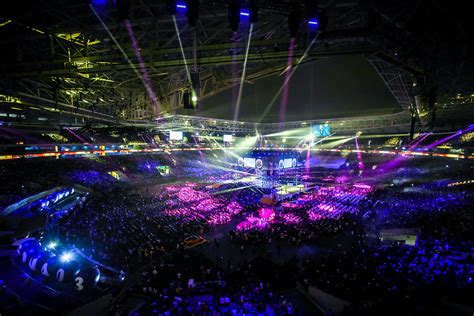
(196, 88)
(313, 22)
(190, 99)
(99, 3)
(312, 14)
(52, 245)
(181, 6)
(66, 256)
(316, 17)
(245, 13)
(250, 13)
(186, 103)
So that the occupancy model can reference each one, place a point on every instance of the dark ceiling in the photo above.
(331, 87)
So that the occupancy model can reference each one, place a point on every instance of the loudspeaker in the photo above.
(196, 79)
(187, 104)
(412, 127)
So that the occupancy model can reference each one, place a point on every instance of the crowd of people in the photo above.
(378, 278)
(194, 285)
(125, 229)
(437, 211)
(140, 230)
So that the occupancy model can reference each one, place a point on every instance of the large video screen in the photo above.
(163, 170)
(321, 130)
(249, 162)
(287, 163)
(227, 138)
(176, 135)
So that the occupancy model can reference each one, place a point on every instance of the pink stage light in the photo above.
(359, 155)
(266, 213)
(142, 66)
(291, 219)
(288, 73)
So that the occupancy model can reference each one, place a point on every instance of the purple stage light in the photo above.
(77, 135)
(235, 73)
(288, 73)
(142, 66)
(359, 155)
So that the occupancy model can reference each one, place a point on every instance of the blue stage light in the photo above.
(244, 13)
(313, 22)
(99, 3)
(52, 245)
(66, 256)
(181, 6)
(122, 276)
(97, 277)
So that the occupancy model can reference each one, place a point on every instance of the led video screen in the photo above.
(321, 130)
(249, 162)
(176, 135)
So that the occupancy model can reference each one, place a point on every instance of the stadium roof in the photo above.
(78, 60)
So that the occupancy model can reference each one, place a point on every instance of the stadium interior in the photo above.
(236, 157)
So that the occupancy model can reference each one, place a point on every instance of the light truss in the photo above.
(67, 57)
(398, 81)
(376, 124)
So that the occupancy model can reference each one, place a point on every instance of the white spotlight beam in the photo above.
(182, 50)
(241, 87)
(117, 44)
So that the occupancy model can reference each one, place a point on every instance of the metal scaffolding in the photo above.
(73, 56)
(379, 124)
